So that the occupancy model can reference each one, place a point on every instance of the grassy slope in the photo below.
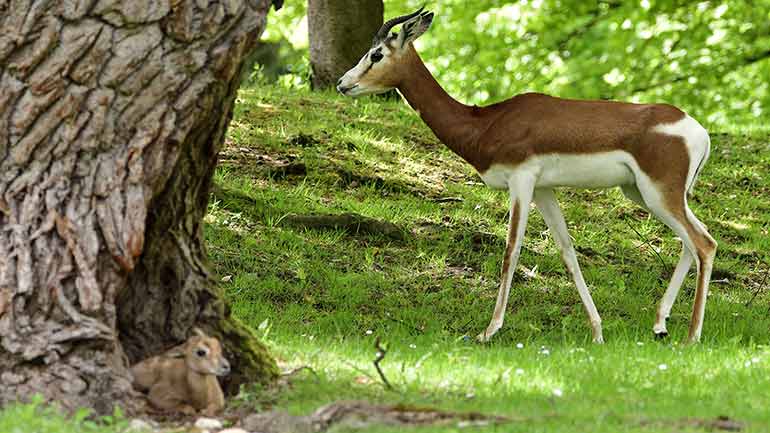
(322, 296)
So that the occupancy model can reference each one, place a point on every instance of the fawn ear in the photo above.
(199, 332)
(179, 351)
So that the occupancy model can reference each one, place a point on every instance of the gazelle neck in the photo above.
(454, 123)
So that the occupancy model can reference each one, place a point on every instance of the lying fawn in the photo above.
(184, 379)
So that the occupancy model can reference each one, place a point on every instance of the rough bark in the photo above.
(111, 117)
(340, 33)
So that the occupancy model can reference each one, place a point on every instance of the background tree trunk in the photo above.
(111, 117)
(341, 32)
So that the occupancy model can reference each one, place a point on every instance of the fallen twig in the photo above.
(647, 242)
(296, 370)
(360, 370)
(381, 352)
(759, 289)
(447, 200)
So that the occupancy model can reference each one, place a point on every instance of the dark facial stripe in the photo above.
(378, 50)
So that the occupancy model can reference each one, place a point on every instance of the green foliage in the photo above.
(710, 58)
(319, 298)
(35, 417)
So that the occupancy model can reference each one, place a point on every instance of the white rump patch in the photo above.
(688, 128)
(696, 138)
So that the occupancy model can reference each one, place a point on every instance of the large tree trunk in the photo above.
(111, 117)
(340, 32)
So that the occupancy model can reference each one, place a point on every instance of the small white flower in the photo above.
(557, 392)
(663, 367)
(755, 359)
(545, 352)
(519, 371)
(519, 345)
(747, 364)
(639, 343)
(413, 346)
(369, 332)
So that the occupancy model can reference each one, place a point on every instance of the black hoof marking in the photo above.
(661, 335)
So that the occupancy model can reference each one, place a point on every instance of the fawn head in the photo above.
(203, 354)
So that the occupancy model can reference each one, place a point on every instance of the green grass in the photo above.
(322, 297)
(34, 417)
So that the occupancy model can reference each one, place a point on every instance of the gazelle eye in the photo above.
(200, 352)
(376, 56)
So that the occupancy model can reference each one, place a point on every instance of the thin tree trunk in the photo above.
(340, 32)
(111, 117)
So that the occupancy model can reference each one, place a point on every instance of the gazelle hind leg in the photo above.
(667, 301)
(520, 188)
(549, 209)
(671, 208)
(707, 248)
(685, 262)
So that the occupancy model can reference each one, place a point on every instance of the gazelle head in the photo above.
(381, 67)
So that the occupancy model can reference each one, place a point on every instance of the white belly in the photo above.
(597, 170)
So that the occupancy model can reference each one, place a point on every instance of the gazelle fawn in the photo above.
(184, 379)
(533, 143)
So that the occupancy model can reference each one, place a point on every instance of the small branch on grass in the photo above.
(464, 325)
(299, 369)
(447, 200)
(381, 352)
(360, 370)
(647, 242)
(759, 289)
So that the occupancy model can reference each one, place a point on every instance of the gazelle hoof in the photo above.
(659, 335)
(598, 340)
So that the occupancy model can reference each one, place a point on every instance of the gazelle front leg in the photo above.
(520, 188)
(549, 209)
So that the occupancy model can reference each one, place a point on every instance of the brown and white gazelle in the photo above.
(533, 143)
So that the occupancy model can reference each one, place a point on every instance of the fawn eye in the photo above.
(376, 56)
(200, 352)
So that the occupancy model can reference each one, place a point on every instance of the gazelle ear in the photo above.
(197, 331)
(414, 28)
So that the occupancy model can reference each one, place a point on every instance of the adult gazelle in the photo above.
(533, 143)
